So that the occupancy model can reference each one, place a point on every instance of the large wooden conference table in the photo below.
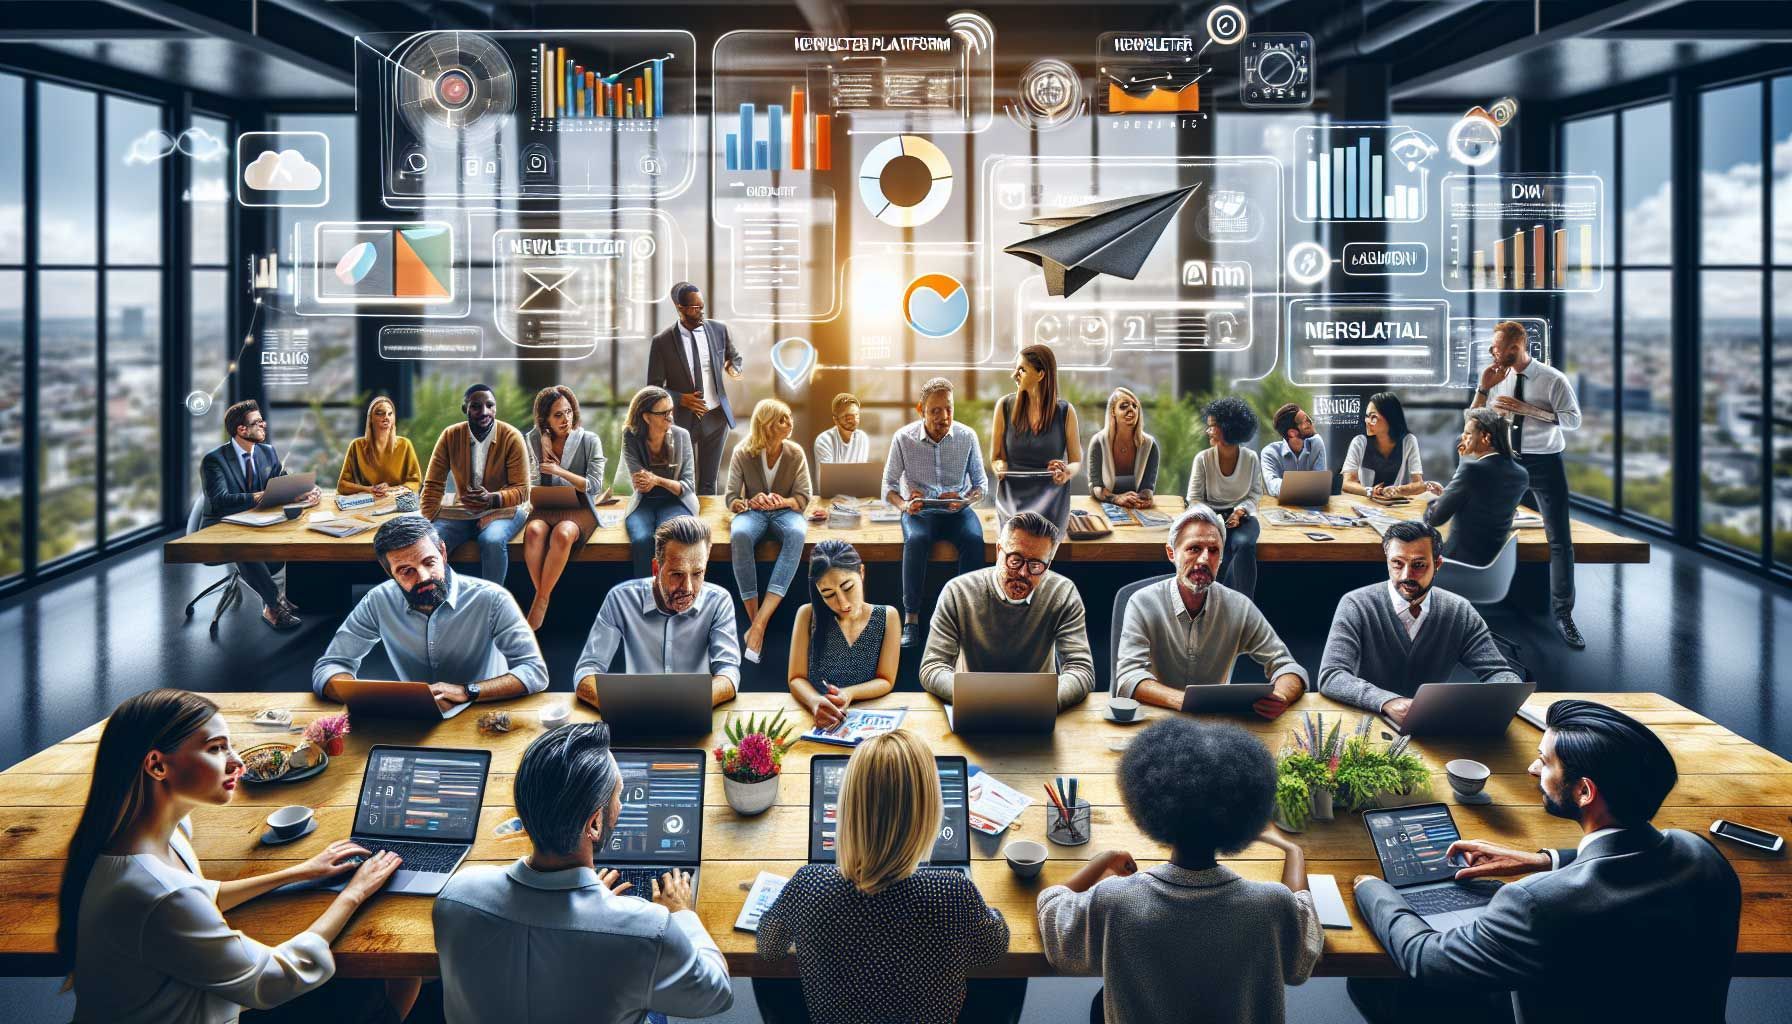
(882, 542)
(1721, 775)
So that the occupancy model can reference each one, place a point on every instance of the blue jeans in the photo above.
(786, 526)
(494, 541)
(653, 510)
(961, 529)
(1239, 568)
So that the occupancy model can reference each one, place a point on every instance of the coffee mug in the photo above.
(292, 511)
(1025, 857)
(1123, 708)
(1467, 777)
(289, 821)
(555, 715)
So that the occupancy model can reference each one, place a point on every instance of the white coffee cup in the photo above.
(289, 821)
(1025, 857)
(1467, 777)
(1123, 708)
(555, 715)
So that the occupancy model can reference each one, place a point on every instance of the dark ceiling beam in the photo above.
(1606, 18)
(199, 24)
(328, 15)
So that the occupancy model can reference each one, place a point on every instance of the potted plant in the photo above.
(1305, 773)
(751, 760)
(328, 733)
(1369, 776)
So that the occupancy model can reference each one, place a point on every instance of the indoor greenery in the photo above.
(1366, 773)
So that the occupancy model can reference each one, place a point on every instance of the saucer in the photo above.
(1134, 720)
(1482, 797)
(269, 839)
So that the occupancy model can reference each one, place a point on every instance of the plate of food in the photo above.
(282, 762)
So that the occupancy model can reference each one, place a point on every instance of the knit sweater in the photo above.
(1369, 660)
(1047, 634)
(362, 467)
(1179, 945)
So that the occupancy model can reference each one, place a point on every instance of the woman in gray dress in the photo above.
(1036, 449)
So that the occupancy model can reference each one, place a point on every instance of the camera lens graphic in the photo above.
(454, 89)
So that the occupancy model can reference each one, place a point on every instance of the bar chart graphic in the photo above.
(781, 137)
(1523, 232)
(569, 89)
(1354, 172)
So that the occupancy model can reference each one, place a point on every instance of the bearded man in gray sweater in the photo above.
(1389, 638)
(1015, 616)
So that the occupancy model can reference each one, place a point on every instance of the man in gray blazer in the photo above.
(1632, 924)
(689, 360)
(1484, 494)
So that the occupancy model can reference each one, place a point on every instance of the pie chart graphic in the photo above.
(935, 305)
(905, 181)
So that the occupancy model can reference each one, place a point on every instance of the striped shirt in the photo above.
(916, 462)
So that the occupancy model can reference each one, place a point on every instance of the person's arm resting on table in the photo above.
(724, 654)
(600, 649)
(939, 661)
(1076, 666)
(1343, 653)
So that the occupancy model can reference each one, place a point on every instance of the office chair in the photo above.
(1114, 627)
(232, 594)
(1486, 584)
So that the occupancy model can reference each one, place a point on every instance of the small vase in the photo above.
(749, 798)
(1322, 805)
(334, 745)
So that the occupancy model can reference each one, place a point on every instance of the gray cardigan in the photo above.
(1047, 634)
(684, 466)
(789, 479)
(1369, 661)
(582, 456)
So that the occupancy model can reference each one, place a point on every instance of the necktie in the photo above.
(249, 469)
(696, 367)
(1518, 421)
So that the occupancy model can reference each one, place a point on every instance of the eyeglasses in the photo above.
(667, 411)
(1015, 561)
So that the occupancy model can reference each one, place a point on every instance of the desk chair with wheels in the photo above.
(1485, 585)
(231, 593)
(1114, 628)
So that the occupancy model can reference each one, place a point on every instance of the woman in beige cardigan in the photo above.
(768, 491)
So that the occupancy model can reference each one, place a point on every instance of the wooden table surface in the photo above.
(1721, 775)
(882, 542)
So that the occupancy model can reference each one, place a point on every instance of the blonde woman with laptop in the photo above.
(380, 461)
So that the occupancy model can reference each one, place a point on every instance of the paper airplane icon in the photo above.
(1110, 237)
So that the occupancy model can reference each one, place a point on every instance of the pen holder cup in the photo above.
(1076, 832)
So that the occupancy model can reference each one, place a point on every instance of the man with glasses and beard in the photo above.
(673, 622)
(462, 635)
(1015, 616)
(1388, 639)
(1189, 630)
(1633, 923)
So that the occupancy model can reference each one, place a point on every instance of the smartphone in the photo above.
(1757, 838)
(1319, 536)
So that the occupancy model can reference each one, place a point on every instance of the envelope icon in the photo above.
(552, 290)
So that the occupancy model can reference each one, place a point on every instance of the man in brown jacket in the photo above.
(491, 478)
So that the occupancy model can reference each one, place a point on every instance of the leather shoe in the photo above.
(283, 620)
(1570, 632)
(911, 635)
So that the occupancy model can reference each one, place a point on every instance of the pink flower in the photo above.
(756, 754)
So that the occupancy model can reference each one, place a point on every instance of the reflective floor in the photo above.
(1699, 632)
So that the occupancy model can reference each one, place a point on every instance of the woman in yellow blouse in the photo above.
(380, 461)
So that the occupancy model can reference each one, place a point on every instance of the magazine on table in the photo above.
(759, 900)
(992, 803)
(860, 724)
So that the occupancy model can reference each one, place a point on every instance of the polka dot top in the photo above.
(845, 664)
(897, 957)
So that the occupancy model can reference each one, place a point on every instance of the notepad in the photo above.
(253, 518)
(1328, 901)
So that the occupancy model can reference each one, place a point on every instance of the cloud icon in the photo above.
(286, 171)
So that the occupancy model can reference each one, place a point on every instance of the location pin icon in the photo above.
(794, 360)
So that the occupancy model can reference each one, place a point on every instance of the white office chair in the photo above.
(1486, 584)
(232, 593)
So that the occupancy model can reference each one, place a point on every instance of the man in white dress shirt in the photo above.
(1542, 405)
(844, 441)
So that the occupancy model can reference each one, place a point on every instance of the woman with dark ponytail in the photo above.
(140, 927)
(842, 648)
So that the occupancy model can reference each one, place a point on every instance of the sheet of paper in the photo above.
(1329, 901)
(759, 899)
(994, 804)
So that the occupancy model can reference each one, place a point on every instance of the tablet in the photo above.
(1224, 697)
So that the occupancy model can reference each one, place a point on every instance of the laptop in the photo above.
(1309, 487)
(661, 825)
(668, 704)
(1224, 698)
(391, 698)
(1024, 702)
(421, 803)
(284, 490)
(951, 848)
(1412, 843)
(1463, 709)
(562, 496)
(850, 479)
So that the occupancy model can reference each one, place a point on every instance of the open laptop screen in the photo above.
(951, 846)
(1413, 843)
(423, 793)
(662, 808)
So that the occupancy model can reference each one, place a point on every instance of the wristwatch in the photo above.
(472, 692)
(1481, 391)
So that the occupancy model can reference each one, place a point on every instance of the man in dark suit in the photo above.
(1633, 924)
(1484, 494)
(688, 359)
(234, 475)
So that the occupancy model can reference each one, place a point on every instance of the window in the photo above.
(212, 342)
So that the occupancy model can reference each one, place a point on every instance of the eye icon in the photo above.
(1412, 148)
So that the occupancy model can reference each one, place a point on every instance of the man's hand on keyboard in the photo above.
(609, 879)
(673, 891)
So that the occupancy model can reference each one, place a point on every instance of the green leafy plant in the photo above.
(754, 751)
(1298, 776)
(1366, 773)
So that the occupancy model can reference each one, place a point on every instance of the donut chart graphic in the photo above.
(905, 181)
(935, 305)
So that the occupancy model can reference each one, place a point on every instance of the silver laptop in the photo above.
(391, 698)
(850, 479)
(951, 846)
(284, 490)
(421, 803)
(1025, 702)
(1413, 845)
(1306, 487)
(1463, 709)
(1232, 698)
(660, 829)
(668, 704)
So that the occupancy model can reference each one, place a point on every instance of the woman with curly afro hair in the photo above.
(1228, 478)
(1189, 940)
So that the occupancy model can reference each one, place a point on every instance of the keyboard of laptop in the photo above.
(643, 879)
(1446, 898)
(431, 857)
(347, 501)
